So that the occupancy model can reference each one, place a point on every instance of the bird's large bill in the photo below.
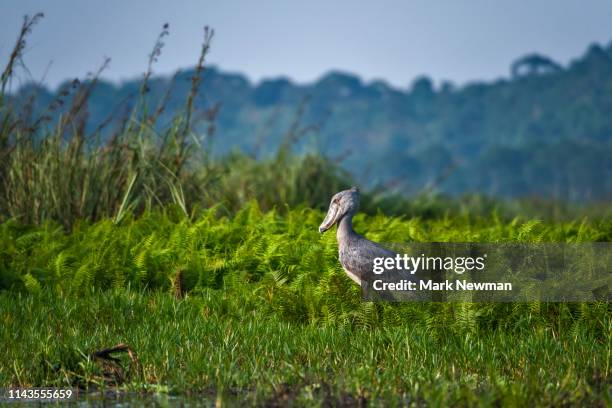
(330, 218)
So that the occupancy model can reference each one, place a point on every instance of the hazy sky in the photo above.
(459, 40)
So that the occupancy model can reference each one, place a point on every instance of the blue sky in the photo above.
(392, 40)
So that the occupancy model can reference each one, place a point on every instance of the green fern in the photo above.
(31, 284)
(277, 262)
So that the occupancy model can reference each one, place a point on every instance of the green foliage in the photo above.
(268, 309)
(215, 343)
(276, 262)
(102, 232)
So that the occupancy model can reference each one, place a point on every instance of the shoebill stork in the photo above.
(356, 253)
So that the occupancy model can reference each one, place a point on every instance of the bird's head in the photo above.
(342, 203)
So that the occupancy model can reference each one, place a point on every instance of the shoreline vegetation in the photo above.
(212, 288)
(212, 346)
(209, 278)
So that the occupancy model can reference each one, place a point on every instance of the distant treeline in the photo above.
(546, 131)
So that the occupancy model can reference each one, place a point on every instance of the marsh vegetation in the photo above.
(211, 269)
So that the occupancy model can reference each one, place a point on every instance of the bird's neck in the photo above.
(345, 228)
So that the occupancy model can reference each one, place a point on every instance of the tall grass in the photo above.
(57, 170)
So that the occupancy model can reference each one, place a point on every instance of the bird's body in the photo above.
(356, 254)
